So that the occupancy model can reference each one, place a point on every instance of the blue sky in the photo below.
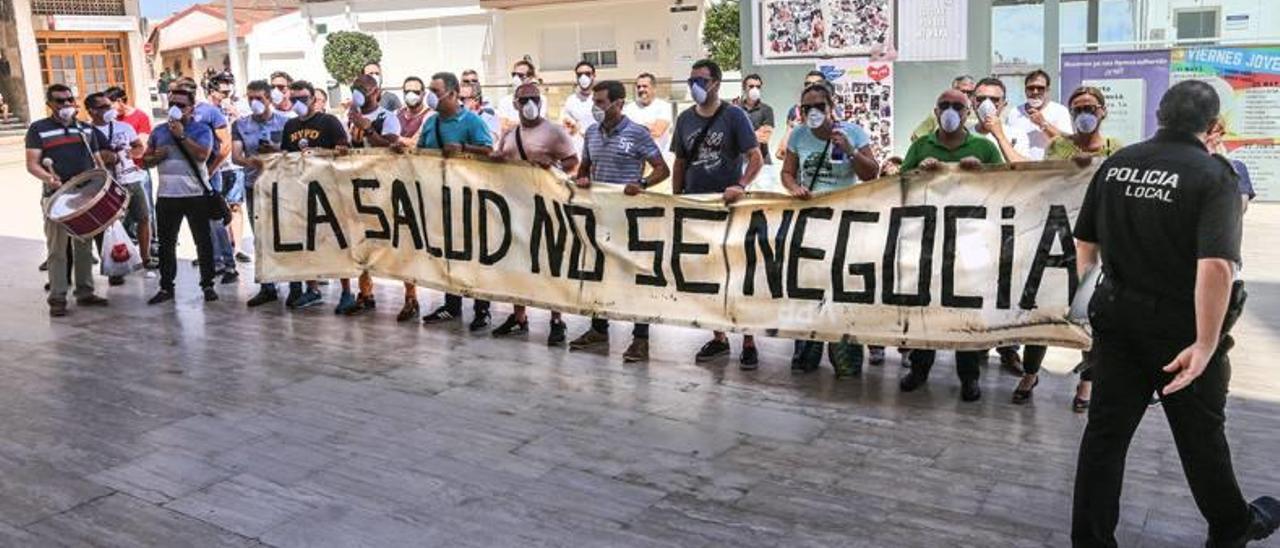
(157, 10)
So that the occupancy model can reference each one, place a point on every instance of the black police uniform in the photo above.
(1155, 209)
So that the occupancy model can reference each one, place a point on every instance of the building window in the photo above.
(85, 64)
(77, 7)
(1196, 24)
(601, 59)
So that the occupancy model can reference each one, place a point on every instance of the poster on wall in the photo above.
(807, 29)
(1248, 84)
(1131, 81)
(939, 30)
(864, 96)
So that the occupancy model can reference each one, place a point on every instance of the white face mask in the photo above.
(698, 93)
(949, 120)
(516, 81)
(1035, 103)
(815, 119)
(584, 81)
(412, 98)
(276, 96)
(377, 78)
(598, 114)
(357, 98)
(109, 116)
(175, 113)
(529, 111)
(753, 94)
(257, 107)
(986, 109)
(1086, 123)
(300, 108)
(67, 113)
(433, 100)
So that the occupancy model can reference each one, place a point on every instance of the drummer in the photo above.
(124, 141)
(58, 149)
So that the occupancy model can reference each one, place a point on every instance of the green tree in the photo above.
(346, 54)
(721, 34)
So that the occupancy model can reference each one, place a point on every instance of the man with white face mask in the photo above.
(68, 148)
(576, 112)
(251, 136)
(988, 102)
(1040, 118)
(124, 142)
(521, 72)
(759, 112)
(951, 142)
(418, 104)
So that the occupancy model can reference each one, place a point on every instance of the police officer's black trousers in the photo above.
(1127, 371)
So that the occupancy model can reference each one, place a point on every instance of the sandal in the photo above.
(1023, 396)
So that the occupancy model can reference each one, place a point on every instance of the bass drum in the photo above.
(88, 203)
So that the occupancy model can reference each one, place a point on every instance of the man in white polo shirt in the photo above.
(1040, 118)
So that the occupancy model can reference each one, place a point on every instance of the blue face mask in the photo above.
(300, 108)
(698, 90)
(357, 98)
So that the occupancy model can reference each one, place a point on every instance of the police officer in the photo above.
(1164, 217)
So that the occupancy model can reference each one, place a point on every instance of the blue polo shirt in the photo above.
(619, 156)
(251, 132)
(463, 128)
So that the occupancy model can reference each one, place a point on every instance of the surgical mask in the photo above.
(598, 114)
(257, 107)
(433, 100)
(412, 98)
(109, 116)
(584, 81)
(986, 109)
(276, 96)
(698, 93)
(1035, 103)
(67, 113)
(949, 120)
(1086, 123)
(300, 108)
(529, 111)
(175, 113)
(377, 78)
(753, 94)
(357, 98)
(516, 81)
(815, 119)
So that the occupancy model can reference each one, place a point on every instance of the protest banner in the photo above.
(950, 259)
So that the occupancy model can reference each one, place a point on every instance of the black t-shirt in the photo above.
(760, 115)
(1157, 207)
(65, 145)
(320, 131)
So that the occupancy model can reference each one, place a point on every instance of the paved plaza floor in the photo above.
(212, 425)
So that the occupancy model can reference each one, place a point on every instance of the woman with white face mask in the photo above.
(1088, 109)
(824, 155)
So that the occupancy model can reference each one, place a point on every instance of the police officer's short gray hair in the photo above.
(1189, 106)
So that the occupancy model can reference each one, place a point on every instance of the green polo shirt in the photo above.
(929, 147)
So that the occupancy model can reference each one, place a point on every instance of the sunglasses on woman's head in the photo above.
(953, 105)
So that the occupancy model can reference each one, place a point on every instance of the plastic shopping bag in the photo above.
(119, 253)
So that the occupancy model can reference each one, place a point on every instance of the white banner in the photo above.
(950, 259)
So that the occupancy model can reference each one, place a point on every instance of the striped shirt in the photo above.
(619, 156)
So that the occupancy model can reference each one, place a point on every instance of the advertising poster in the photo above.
(1248, 84)
(864, 95)
(805, 29)
(1131, 81)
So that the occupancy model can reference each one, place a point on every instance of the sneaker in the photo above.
(556, 336)
(292, 299)
(308, 299)
(589, 339)
(876, 355)
(969, 391)
(440, 315)
(57, 309)
(346, 302)
(91, 300)
(512, 326)
(210, 295)
(912, 381)
(264, 296)
(160, 297)
(712, 350)
(1266, 517)
(637, 352)
(409, 311)
(480, 321)
(364, 303)
(152, 263)
(242, 258)
(115, 280)
(750, 359)
(230, 277)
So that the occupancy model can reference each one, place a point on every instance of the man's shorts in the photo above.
(138, 207)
